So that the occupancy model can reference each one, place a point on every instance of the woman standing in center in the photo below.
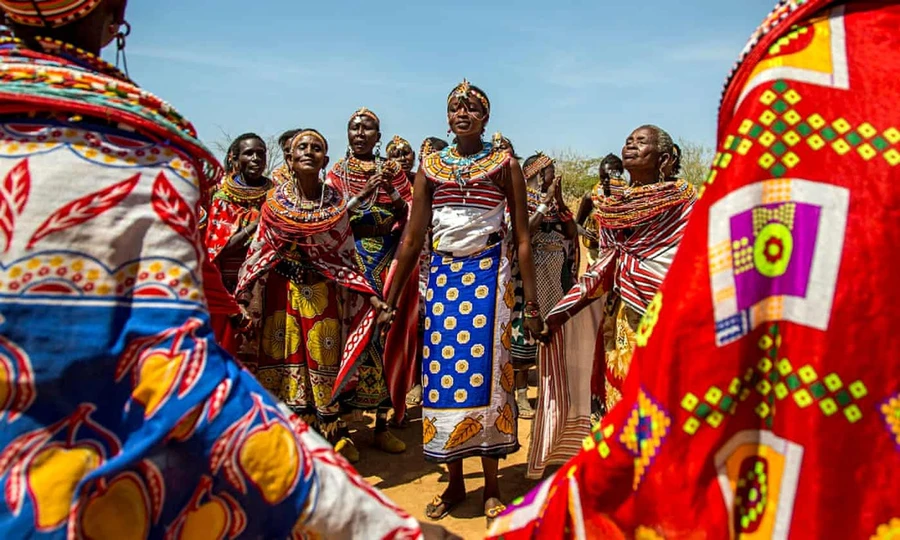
(378, 196)
(464, 190)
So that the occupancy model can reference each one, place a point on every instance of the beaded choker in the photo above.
(448, 165)
(235, 190)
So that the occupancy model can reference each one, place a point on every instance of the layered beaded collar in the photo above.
(448, 165)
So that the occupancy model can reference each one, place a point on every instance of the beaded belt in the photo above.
(298, 273)
(371, 231)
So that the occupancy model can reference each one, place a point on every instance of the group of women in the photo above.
(329, 268)
(311, 278)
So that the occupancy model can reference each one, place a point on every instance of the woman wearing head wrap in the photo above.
(378, 196)
(122, 418)
(760, 402)
(464, 191)
(400, 151)
(640, 230)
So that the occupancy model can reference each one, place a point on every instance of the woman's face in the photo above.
(466, 116)
(548, 174)
(309, 155)
(641, 151)
(403, 155)
(363, 134)
(251, 159)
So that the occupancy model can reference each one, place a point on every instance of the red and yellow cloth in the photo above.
(764, 397)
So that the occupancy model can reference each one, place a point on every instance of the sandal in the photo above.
(492, 509)
(438, 508)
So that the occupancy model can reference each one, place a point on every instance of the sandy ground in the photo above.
(412, 482)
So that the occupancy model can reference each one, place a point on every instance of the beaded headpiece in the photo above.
(363, 111)
(311, 132)
(541, 162)
(465, 90)
(397, 142)
(426, 149)
(49, 13)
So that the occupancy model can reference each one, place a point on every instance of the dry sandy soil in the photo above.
(412, 482)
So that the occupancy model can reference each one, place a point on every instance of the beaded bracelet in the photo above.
(395, 195)
(542, 209)
(531, 311)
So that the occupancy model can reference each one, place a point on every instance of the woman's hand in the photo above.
(372, 184)
(536, 329)
(552, 192)
(384, 314)
(559, 191)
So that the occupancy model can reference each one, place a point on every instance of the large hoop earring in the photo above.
(120, 46)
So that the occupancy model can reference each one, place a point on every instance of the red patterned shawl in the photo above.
(331, 252)
(764, 398)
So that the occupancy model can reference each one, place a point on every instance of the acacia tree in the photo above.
(695, 161)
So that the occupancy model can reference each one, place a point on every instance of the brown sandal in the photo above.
(438, 508)
(492, 509)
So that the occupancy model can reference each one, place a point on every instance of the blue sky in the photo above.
(562, 74)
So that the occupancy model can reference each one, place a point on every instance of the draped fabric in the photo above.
(640, 231)
(121, 415)
(311, 299)
(388, 363)
(323, 244)
(763, 398)
(235, 205)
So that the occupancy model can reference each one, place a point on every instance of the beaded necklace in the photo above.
(448, 165)
(45, 67)
(235, 190)
(354, 173)
(286, 209)
(639, 204)
(80, 56)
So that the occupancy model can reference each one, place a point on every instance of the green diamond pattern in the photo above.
(776, 385)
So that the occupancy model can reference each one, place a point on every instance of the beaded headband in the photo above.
(426, 149)
(363, 111)
(296, 140)
(397, 142)
(464, 90)
(49, 13)
(539, 164)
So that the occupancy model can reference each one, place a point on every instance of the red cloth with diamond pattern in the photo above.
(764, 398)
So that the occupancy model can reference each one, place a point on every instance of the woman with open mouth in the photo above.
(378, 196)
